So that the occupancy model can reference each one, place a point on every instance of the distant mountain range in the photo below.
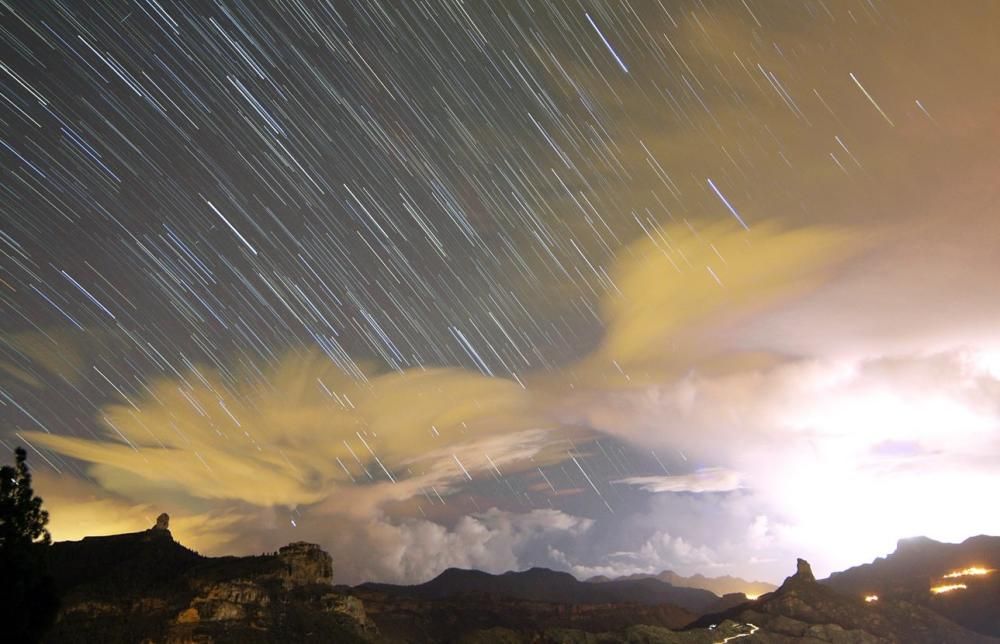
(719, 585)
(146, 587)
(543, 585)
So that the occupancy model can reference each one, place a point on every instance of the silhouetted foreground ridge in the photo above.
(146, 587)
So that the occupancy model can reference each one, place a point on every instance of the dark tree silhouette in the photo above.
(28, 602)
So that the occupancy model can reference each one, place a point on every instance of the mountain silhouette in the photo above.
(725, 585)
(918, 564)
(802, 609)
(146, 587)
(544, 585)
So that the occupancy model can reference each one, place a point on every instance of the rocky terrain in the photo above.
(145, 587)
(803, 610)
(919, 564)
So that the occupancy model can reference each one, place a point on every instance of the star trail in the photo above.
(451, 256)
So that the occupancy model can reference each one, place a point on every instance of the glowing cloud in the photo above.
(710, 479)
(309, 431)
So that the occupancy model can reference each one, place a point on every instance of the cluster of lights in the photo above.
(871, 598)
(947, 588)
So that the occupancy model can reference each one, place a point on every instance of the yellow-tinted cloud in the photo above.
(309, 431)
(676, 285)
(310, 434)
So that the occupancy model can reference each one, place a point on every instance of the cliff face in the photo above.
(146, 587)
(306, 563)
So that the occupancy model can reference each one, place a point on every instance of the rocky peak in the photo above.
(803, 570)
(802, 579)
(306, 563)
(162, 522)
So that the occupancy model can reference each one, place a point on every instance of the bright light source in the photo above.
(947, 588)
(871, 598)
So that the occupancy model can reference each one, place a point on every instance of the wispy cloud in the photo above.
(709, 479)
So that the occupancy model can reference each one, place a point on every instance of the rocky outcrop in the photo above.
(803, 571)
(162, 522)
(146, 587)
(240, 599)
(305, 563)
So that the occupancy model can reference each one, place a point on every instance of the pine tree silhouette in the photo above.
(28, 601)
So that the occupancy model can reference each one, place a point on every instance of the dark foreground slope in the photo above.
(144, 586)
(919, 564)
(803, 610)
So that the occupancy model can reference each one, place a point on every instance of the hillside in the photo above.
(970, 568)
(802, 609)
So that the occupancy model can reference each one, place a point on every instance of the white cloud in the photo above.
(660, 551)
(415, 550)
(897, 445)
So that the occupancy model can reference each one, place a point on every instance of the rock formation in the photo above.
(306, 563)
(162, 522)
(803, 571)
(147, 587)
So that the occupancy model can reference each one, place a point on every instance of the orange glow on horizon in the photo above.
(947, 588)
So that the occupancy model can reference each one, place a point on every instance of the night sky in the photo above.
(605, 287)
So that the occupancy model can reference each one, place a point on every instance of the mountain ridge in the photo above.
(803, 609)
(545, 585)
(144, 586)
(919, 564)
(723, 585)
